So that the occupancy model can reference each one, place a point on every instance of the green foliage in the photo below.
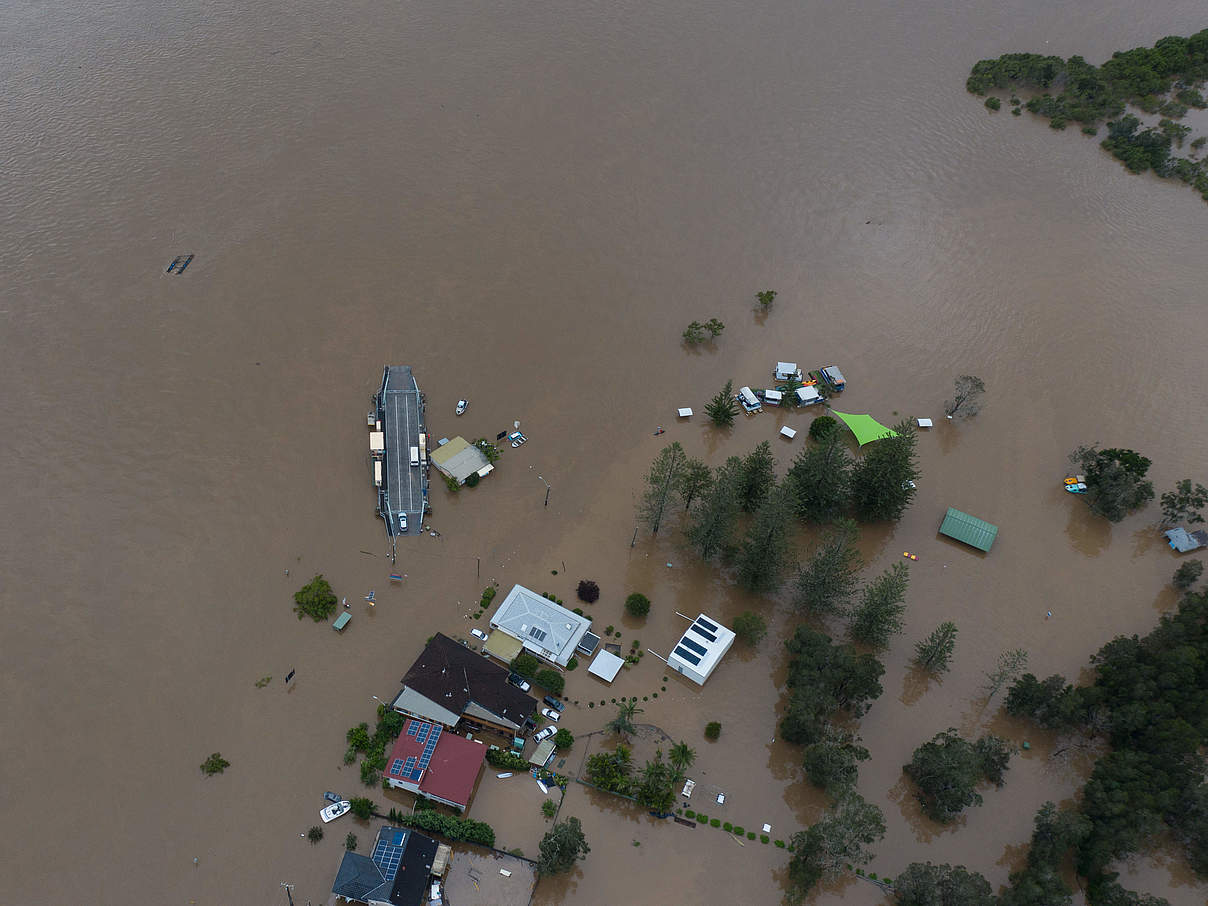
(714, 328)
(712, 730)
(924, 884)
(562, 846)
(1115, 480)
(966, 393)
(681, 756)
(841, 837)
(315, 834)
(315, 599)
(550, 680)
(451, 483)
(502, 758)
(822, 427)
(833, 761)
(712, 522)
(263, 681)
(766, 298)
(826, 583)
(1184, 503)
(993, 103)
(572, 663)
(751, 627)
(350, 843)
(714, 822)
(948, 768)
(656, 785)
(611, 771)
(1187, 574)
(472, 480)
(1051, 703)
(548, 808)
(564, 739)
(526, 664)
(488, 595)
(370, 775)
(728, 827)
(637, 605)
(878, 616)
(823, 679)
(767, 550)
(723, 408)
(934, 652)
(1138, 150)
(756, 478)
(696, 332)
(623, 723)
(881, 482)
(362, 807)
(456, 829)
(661, 481)
(693, 480)
(358, 737)
(1006, 668)
(215, 764)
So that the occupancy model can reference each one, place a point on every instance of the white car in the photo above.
(332, 812)
(545, 734)
(402, 522)
(461, 406)
(551, 714)
(478, 634)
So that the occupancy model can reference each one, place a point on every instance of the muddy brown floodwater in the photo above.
(527, 204)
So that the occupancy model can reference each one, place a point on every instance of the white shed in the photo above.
(700, 649)
(772, 397)
(606, 666)
(787, 371)
(807, 396)
(749, 400)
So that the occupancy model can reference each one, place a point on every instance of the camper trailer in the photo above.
(748, 400)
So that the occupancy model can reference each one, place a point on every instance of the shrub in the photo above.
(362, 807)
(637, 605)
(739, 830)
(702, 817)
(578, 610)
(350, 843)
(572, 664)
(716, 822)
(315, 834)
(370, 776)
(1187, 574)
(548, 808)
(728, 826)
(315, 599)
(780, 844)
(525, 664)
(456, 829)
(993, 103)
(564, 739)
(451, 484)
(215, 764)
(712, 730)
(750, 627)
(589, 591)
(608, 629)
(763, 838)
(551, 680)
(502, 758)
(591, 704)
(472, 480)
(689, 814)
(823, 427)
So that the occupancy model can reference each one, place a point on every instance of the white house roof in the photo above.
(773, 395)
(749, 396)
(542, 626)
(786, 367)
(606, 666)
(701, 647)
(808, 394)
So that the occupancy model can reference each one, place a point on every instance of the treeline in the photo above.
(1076, 91)
(824, 484)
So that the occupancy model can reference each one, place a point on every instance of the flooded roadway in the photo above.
(528, 207)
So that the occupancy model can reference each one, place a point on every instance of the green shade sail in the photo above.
(969, 529)
(865, 427)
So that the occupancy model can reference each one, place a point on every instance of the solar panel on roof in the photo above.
(387, 855)
(695, 646)
(412, 728)
(708, 624)
(396, 767)
(687, 655)
(702, 632)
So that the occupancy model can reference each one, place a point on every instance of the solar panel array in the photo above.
(396, 767)
(704, 632)
(388, 853)
(687, 655)
(412, 727)
(695, 646)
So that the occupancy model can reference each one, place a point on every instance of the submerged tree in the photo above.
(661, 481)
(1184, 503)
(826, 583)
(878, 616)
(882, 482)
(1115, 480)
(833, 761)
(948, 768)
(934, 652)
(1187, 574)
(820, 477)
(767, 551)
(693, 480)
(924, 884)
(561, 847)
(712, 522)
(750, 627)
(756, 478)
(765, 298)
(966, 397)
(315, 599)
(840, 838)
(1008, 666)
(723, 408)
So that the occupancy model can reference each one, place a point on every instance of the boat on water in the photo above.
(335, 810)
(1075, 484)
(461, 407)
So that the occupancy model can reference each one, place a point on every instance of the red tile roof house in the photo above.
(429, 760)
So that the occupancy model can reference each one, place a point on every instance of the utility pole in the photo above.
(547, 489)
(289, 891)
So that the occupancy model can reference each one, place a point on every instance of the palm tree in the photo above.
(623, 724)
(681, 755)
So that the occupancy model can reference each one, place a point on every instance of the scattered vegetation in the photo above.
(548, 808)
(315, 599)
(456, 829)
(1187, 574)
(1184, 503)
(350, 843)
(215, 764)
(948, 768)
(697, 333)
(765, 299)
(263, 681)
(562, 846)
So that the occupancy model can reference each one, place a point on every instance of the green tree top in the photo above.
(315, 599)
(562, 846)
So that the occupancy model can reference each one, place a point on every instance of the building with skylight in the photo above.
(700, 649)
(541, 626)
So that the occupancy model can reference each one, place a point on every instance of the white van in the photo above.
(377, 472)
(415, 456)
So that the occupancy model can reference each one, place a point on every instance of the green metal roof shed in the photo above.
(969, 529)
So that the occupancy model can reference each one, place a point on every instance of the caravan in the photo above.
(748, 400)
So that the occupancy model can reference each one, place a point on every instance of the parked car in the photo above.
(551, 714)
(519, 682)
(402, 522)
(545, 734)
(478, 634)
(554, 703)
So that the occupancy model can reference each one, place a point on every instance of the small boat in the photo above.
(334, 811)
(544, 788)
(461, 407)
(1075, 484)
(505, 775)
(333, 797)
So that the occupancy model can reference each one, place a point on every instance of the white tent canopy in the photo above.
(606, 666)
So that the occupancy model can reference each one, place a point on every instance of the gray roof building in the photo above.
(395, 875)
(544, 628)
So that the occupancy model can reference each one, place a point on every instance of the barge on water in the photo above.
(398, 449)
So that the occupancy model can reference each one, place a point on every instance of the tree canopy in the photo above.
(824, 679)
(820, 477)
(882, 481)
(723, 408)
(315, 599)
(948, 769)
(1115, 480)
(827, 581)
(661, 481)
(924, 884)
(878, 616)
(562, 846)
(840, 838)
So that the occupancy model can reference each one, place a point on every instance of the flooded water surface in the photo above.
(527, 204)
